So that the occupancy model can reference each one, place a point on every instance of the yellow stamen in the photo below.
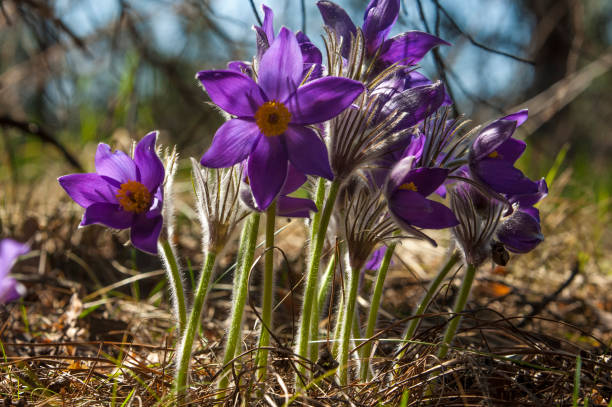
(409, 187)
(494, 154)
(272, 118)
(134, 197)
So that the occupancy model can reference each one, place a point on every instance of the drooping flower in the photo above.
(407, 189)
(270, 128)
(493, 154)
(404, 49)
(10, 289)
(286, 206)
(124, 192)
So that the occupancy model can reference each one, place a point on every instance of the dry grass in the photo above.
(95, 329)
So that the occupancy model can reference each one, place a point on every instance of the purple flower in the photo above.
(376, 259)
(406, 190)
(521, 231)
(287, 206)
(123, 192)
(270, 128)
(10, 289)
(493, 154)
(405, 49)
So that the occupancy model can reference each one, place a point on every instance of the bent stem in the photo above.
(310, 290)
(373, 315)
(246, 253)
(347, 326)
(184, 353)
(166, 253)
(431, 291)
(261, 360)
(464, 293)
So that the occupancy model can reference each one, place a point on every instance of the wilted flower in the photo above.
(286, 206)
(10, 289)
(493, 154)
(272, 117)
(123, 192)
(407, 189)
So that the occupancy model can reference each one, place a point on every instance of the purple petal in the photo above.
(520, 233)
(145, 233)
(117, 166)
(322, 99)
(261, 41)
(380, 15)
(339, 21)
(232, 143)
(307, 152)
(294, 207)
(87, 189)
(148, 163)
(409, 48)
(10, 250)
(490, 138)
(519, 117)
(417, 211)
(267, 170)
(376, 258)
(397, 175)
(107, 214)
(295, 179)
(241, 67)
(415, 148)
(310, 53)
(502, 177)
(268, 22)
(528, 200)
(418, 103)
(233, 92)
(426, 180)
(510, 150)
(10, 290)
(280, 69)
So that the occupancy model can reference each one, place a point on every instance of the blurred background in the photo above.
(77, 72)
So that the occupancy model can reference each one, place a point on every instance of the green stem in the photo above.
(373, 315)
(261, 359)
(176, 283)
(310, 290)
(244, 262)
(347, 326)
(338, 326)
(316, 217)
(464, 293)
(318, 305)
(184, 354)
(431, 291)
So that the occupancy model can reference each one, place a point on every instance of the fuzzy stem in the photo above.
(261, 360)
(316, 217)
(310, 290)
(347, 325)
(338, 326)
(246, 253)
(464, 293)
(318, 305)
(184, 354)
(176, 284)
(373, 315)
(431, 291)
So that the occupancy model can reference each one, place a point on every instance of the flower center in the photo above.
(409, 187)
(494, 154)
(272, 118)
(134, 197)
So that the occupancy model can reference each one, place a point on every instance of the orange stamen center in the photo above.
(134, 197)
(494, 154)
(409, 187)
(272, 118)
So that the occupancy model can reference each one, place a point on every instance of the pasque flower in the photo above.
(407, 189)
(404, 49)
(10, 289)
(124, 192)
(270, 128)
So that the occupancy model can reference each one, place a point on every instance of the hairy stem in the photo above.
(166, 253)
(347, 325)
(184, 353)
(244, 262)
(318, 305)
(261, 359)
(460, 302)
(373, 314)
(312, 275)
